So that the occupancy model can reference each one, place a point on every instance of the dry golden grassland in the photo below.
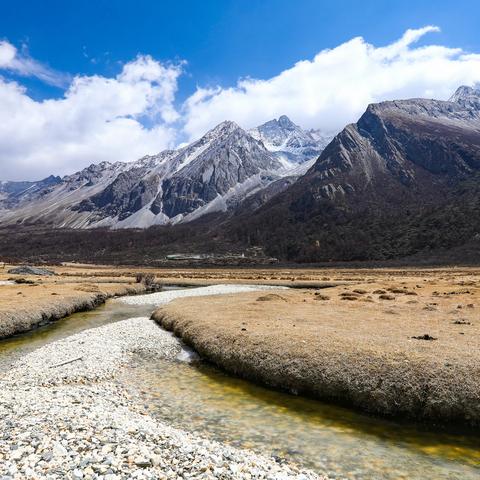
(392, 342)
(28, 305)
(77, 287)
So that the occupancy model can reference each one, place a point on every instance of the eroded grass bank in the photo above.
(24, 307)
(404, 347)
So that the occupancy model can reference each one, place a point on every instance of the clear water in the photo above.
(328, 439)
(325, 438)
(112, 311)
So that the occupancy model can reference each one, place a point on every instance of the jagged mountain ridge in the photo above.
(12, 192)
(388, 185)
(289, 142)
(413, 143)
(212, 174)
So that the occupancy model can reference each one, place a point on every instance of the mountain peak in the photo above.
(286, 123)
(224, 128)
(465, 94)
(289, 141)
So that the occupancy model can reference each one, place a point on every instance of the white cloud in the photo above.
(22, 64)
(98, 119)
(335, 87)
(7, 54)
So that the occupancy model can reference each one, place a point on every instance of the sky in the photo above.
(85, 82)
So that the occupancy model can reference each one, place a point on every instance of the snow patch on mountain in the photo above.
(289, 142)
(465, 92)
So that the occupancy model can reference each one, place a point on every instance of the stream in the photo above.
(331, 440)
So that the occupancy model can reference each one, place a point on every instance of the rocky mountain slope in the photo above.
(215, 173)
(405, 177)
(53, 205)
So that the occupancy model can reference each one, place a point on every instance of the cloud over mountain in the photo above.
(97, 119)
(334, 87)
(135, 113)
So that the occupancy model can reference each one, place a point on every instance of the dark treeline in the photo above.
(321, 231)
(302, 231)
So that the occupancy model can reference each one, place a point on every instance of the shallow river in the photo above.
(328, 439)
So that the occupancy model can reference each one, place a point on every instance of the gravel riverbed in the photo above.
(161, 298)
(64, 415)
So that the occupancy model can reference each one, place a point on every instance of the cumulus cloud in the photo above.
(22, 64)
(335, 87)
(133, 114)
(97, 119)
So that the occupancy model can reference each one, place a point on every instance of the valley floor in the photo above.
(391, 342)
(64, 411)
(39, 300)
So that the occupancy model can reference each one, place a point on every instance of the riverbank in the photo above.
(67, 416)
(43, 300)
(404, 346)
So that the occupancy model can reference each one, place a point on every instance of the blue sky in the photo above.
(204, 49)
(221, 40)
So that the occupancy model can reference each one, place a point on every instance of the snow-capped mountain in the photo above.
(468, 97)
(212, 174)
(230, 168)
(289, 142)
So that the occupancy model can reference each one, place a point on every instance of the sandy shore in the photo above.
(405, 346)
(64, 416)
(24, 307)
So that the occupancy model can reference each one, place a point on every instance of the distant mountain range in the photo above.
(11, 192)
(215, 173)
(403, 180)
